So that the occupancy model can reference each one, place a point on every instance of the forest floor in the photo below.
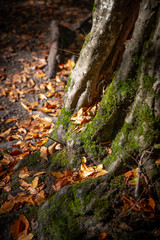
(29, 102)
(30, 105)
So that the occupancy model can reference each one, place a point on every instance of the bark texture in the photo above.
(112, 24)
(128, 116)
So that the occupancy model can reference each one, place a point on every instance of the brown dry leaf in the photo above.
(6, 133)
(151, 203)
(32, 190)
(23, 183)
(57, 174)
(24, 173)
(23, 197)
(20, 227)
(25, 107)
(158, 161)
(45, 110)
(40, 74)
(2, 107)
(131, 176)
(7, 206)
(11, 120)
(32, 105)
(40, 197)
(2, 184)
(50, 86)
(7, 188)
(102, 236)
(44, 153)
(38, 173)
(51, 149)
(26, 237)
(78, 176)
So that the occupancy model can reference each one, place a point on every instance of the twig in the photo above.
(65, 50)
(63, 144)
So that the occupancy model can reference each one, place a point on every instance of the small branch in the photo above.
(65, 50)
(63, 144)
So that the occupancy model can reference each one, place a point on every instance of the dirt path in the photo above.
(29, 102)
(24, 47)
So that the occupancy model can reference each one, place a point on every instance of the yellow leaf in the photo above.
(34, 183)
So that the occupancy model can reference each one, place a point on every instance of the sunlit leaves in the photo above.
(84, 173)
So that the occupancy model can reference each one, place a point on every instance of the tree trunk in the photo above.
(128, 116)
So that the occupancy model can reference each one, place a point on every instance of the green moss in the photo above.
(137, 135)
(93, 10)
(32, 159)
(60, 160)
(31, 212)
(63, 120)
(85, 42)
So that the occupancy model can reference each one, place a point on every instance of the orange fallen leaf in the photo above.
(102, 236)
(26, 237)
(23, 183)
(24, 173)
(7, 206)
(39, 173)
(78, 176)
(40, 197)
(6, 133)
(11, 119)
(158, 161)
(25, 107)
(20, 227)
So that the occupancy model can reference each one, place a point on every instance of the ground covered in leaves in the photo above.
(29, 107)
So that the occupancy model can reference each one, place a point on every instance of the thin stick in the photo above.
(56, 141)
(65, 50)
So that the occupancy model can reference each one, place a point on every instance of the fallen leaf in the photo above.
(7, 188)
(24, 173)
(6, 133)
(51, 149)
(102, 236)
(7, 206)
(11, 120)
(44, 153)
(20, 227)
(26, 237)
(40, 197)
(34, 183)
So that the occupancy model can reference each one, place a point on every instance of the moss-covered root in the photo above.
(78, 211)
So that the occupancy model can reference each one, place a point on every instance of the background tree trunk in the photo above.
(128, 116)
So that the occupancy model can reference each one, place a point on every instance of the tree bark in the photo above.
(113, 22)
(128, 116)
